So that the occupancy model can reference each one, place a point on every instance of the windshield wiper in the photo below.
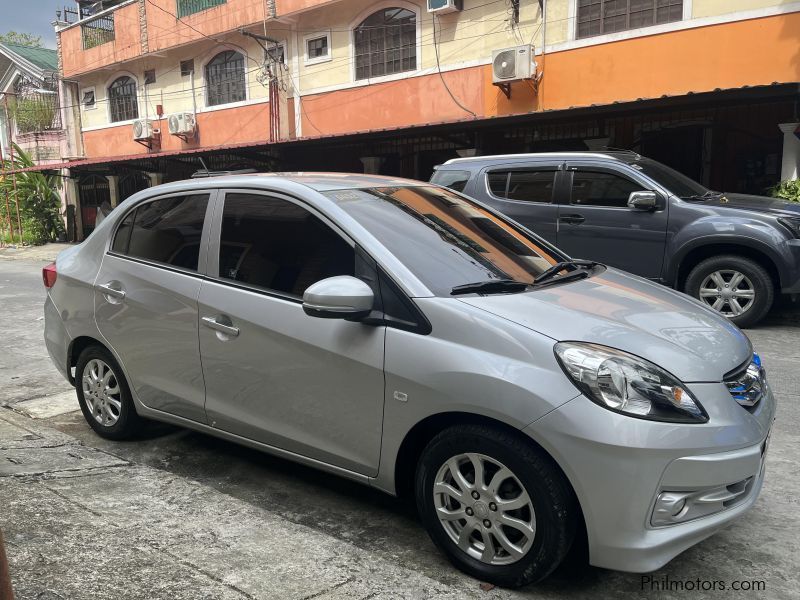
(490, 286)
(571, 265)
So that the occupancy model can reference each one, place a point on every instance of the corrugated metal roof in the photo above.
(44, 58)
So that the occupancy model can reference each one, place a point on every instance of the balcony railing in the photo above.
(189, 7)
(98, 31)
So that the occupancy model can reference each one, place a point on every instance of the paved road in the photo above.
(183, 515)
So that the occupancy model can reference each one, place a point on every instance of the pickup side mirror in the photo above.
(341, 297)
(643, 200)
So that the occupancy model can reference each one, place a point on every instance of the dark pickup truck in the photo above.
(731, 251)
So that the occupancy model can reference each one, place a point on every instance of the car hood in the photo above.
(631, 314)
(763, 204)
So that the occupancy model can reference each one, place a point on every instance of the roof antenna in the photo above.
(205, 167)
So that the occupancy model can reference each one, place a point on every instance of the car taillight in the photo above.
(49, 275)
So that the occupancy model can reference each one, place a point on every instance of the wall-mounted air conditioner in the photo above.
(444, 6)
(143, 130)
(513, 64)
(181, 124)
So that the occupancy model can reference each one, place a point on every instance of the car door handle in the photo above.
(221, 327)
(572, 219)
(107, 290)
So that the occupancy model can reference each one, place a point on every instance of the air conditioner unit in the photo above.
(181, 124)
(142, 129)
(444, 6)
(513, 64)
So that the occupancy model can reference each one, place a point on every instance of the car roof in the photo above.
(627, 156)
(320, 182)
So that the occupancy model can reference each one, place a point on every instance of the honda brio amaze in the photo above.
(404, 336)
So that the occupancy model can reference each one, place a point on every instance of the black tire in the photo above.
(762, 283)
(552, 498)
(128, 423)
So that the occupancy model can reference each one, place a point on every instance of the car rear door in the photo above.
(525, 193)
(146, 300)
(595, 222)
(273, 374)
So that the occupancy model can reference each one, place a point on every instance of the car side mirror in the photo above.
(643, 200)
(341, 297)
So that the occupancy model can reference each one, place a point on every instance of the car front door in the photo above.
(524, 194)
(273, 374)
(146, 300)
(595, 222)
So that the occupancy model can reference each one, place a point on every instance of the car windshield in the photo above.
(677, 183)
(447, 240)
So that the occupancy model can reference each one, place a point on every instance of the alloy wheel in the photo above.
(101, 392)
(728, 291)
(484, 508)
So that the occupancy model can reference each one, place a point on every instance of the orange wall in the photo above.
(164, 31)
(126, 45)
(285, 7)
(754, 52)
(216, 128)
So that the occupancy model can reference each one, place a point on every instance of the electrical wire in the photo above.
(441, 76)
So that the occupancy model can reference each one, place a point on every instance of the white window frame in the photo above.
(107, 97)
(207, 58)
(92, 89)
(284, 46)
(572, 30)
(320, 59)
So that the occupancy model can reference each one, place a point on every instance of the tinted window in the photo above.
(455, 241)
(593, 188)
(531, 186)
(497, 180)
(123, 236)
(279, 246)
(455, 180)
(166, 231)
(677, 183)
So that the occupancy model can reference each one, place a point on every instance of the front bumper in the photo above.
(619, 465)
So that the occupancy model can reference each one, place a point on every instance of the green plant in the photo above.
(34, 114)
(788, 190)
(38, 198)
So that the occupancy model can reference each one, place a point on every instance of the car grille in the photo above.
(748, 384)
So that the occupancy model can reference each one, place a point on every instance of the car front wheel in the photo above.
(734, 286)
(495, 504)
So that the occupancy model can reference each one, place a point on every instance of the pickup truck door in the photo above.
(595, 222)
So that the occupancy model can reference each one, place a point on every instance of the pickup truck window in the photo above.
(526, 186)
(597, 188)
(455, 180)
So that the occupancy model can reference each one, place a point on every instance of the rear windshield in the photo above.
(455, 180)
(445, 239)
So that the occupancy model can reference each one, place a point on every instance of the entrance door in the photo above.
(274, 374)
(595, 222)
(93, 191)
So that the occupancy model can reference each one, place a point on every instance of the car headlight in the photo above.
(628, 384)
(792, 224)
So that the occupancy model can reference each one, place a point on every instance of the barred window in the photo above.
(596, 17)
(122, 99)
(386, 43)
(225, 78)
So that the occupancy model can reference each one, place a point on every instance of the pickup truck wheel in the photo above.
(734, 286)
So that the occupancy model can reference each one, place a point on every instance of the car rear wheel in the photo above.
(495, 504)
(734, 286)
(104, 396)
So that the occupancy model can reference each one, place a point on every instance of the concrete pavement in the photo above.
(181, 515)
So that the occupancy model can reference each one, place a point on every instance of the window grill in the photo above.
(386, 43)
(35, 105)
(596, 17)
(98, 31)
(122, 99)
(225, 78)
(189, 7)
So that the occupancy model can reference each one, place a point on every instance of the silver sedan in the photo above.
(407, 337)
